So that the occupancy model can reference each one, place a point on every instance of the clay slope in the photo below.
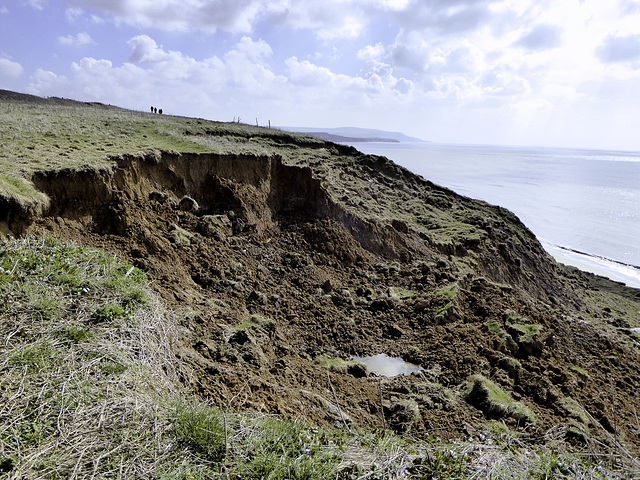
(278, 269)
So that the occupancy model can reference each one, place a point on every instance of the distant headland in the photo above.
(355, 135)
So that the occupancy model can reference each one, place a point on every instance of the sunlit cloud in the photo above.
(80, 39)
(38, 4)
(10, 68)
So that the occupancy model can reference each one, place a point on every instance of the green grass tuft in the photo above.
(109, 313)
(200, 428)
(338, 365)
(495, 402)
(74, 333)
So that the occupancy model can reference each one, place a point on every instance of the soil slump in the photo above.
(269, 270)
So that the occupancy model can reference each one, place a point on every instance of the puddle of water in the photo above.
(387, 366)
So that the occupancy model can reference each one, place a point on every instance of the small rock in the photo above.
(393, 331)
(258, 297)
(381, 304)
(188, 204)
(358, 370)
(159, 197)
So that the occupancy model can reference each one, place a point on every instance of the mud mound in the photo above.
(270, 270)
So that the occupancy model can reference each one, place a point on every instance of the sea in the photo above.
(582, 205)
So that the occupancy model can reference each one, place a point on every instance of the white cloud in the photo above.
(381, 79)
(305, 73)
(9, 68)
(4, 9)
(146, 50)
(73, 14)
(411, 51)
(504, 83)
(44, 82)
(371, 52)
(329, 19)
(38, 4)
(445, 17)
(78, 40)
(253, 50)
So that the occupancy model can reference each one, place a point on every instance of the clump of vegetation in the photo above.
(180, 236)
(338, 365)
(495, 327)
(202, 429)
(581, 371)
(525, 330)
(448, 293)
(22, 192)
(255, 320)
(403, 293)
(574, 410)
(495, 402)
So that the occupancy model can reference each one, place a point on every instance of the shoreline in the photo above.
(626, 273)
(612, 269)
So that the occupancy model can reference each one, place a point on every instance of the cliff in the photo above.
(278, 252)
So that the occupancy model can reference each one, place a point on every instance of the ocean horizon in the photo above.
(583, 205)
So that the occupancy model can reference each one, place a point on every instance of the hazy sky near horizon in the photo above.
(519, 72)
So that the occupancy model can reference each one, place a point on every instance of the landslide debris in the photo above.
(275, 261)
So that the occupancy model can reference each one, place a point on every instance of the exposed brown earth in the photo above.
(272, 263)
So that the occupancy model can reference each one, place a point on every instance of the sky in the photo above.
(503, 72)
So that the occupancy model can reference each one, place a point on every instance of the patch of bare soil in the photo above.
(268, 270)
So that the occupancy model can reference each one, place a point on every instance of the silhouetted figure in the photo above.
(151, 109)
(155, 110)
(160, 111)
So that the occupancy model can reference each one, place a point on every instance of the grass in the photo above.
(448, 293)
(580, 371)
(495, 402)
(526, 332)
(78, 396)
(255, 320)
(21, 191)
(403, 293)
(338, 365)
(65, 134)
(495, 327)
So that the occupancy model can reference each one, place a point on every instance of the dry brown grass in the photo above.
(80, 399)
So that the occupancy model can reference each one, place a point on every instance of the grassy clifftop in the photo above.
(182, 298)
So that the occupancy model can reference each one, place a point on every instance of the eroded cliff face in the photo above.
(271, 266)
